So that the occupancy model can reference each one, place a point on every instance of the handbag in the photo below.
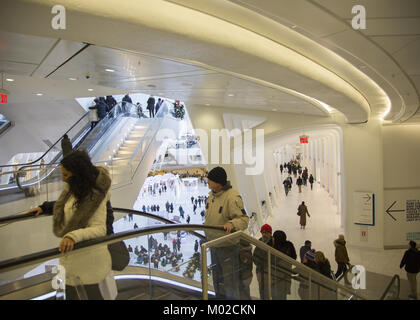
(298, 213)
(120, 256)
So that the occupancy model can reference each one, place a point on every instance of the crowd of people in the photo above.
(281, 279)
(159, 254)
(294, 167)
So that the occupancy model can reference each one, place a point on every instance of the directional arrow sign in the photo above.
(368, 197)
(389, 210)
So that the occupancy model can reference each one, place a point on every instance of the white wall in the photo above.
(360, 168)
(401, 149)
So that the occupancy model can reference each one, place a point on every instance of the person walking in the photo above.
(151, 106)
(311, 180)
(287, 186)
(196, 246)
(158, 104)
(341, 257)
(302, 212)
(281, 281)
(281, 169)
(299, 183)
(126, 103)
(411, 262)
(225, 209)
(261, 262)
(66, 145)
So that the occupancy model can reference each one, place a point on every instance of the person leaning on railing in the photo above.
(79, 214)
(224, 209)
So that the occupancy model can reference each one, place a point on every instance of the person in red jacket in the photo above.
(411, 261)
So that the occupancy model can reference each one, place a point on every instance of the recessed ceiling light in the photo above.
(110, 70)
(9, 79)
(39, 94)
(207, 104)
(73, 79)
(231, 95)
(294, 26)
(274, 109)
(90, 89)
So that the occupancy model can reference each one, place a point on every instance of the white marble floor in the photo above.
(323, 227)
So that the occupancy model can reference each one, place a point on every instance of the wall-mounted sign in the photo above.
(364, 208)
(3, 98)
(304, 139)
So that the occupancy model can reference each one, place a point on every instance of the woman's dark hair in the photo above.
(84, 174)
(413, 244)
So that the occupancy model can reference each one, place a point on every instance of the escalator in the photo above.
(188, 276)
(27, 185)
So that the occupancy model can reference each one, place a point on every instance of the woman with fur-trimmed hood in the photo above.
(80, 214)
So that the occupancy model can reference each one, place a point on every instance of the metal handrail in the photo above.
(394, 278)
(39, 257)
(32, 162)
(240, 235)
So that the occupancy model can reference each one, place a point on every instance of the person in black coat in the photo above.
(151, 106)
(124, 103)
(101, 107)
(111, 102)
(281, 278)
(66, 145)
(158, 104)
(311, 180)
(411, 262)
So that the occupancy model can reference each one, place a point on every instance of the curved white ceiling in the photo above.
(169, 30)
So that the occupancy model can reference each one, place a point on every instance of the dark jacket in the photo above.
(302, 252)
(151, 103)
(127, 99)
(66, 146)
(110, 101)
(102, 109)
(299, 181)
(341, 255)
(311, 179)
(324, 268)
(260, 256)
(411, 261)
(284, 245)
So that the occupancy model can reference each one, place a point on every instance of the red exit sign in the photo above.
(3, 98)
(303, 139)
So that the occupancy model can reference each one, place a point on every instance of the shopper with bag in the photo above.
(342, 258)
(302, 212)
(80, 214)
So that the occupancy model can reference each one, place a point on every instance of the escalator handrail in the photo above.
(25, 216)
(49, 254)
(32, 162)
(285, 258)
(23, 167)
(394, 278)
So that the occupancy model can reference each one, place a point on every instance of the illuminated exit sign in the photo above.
(304, 139)
(3, 98)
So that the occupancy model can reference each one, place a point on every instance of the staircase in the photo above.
(120, 164)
